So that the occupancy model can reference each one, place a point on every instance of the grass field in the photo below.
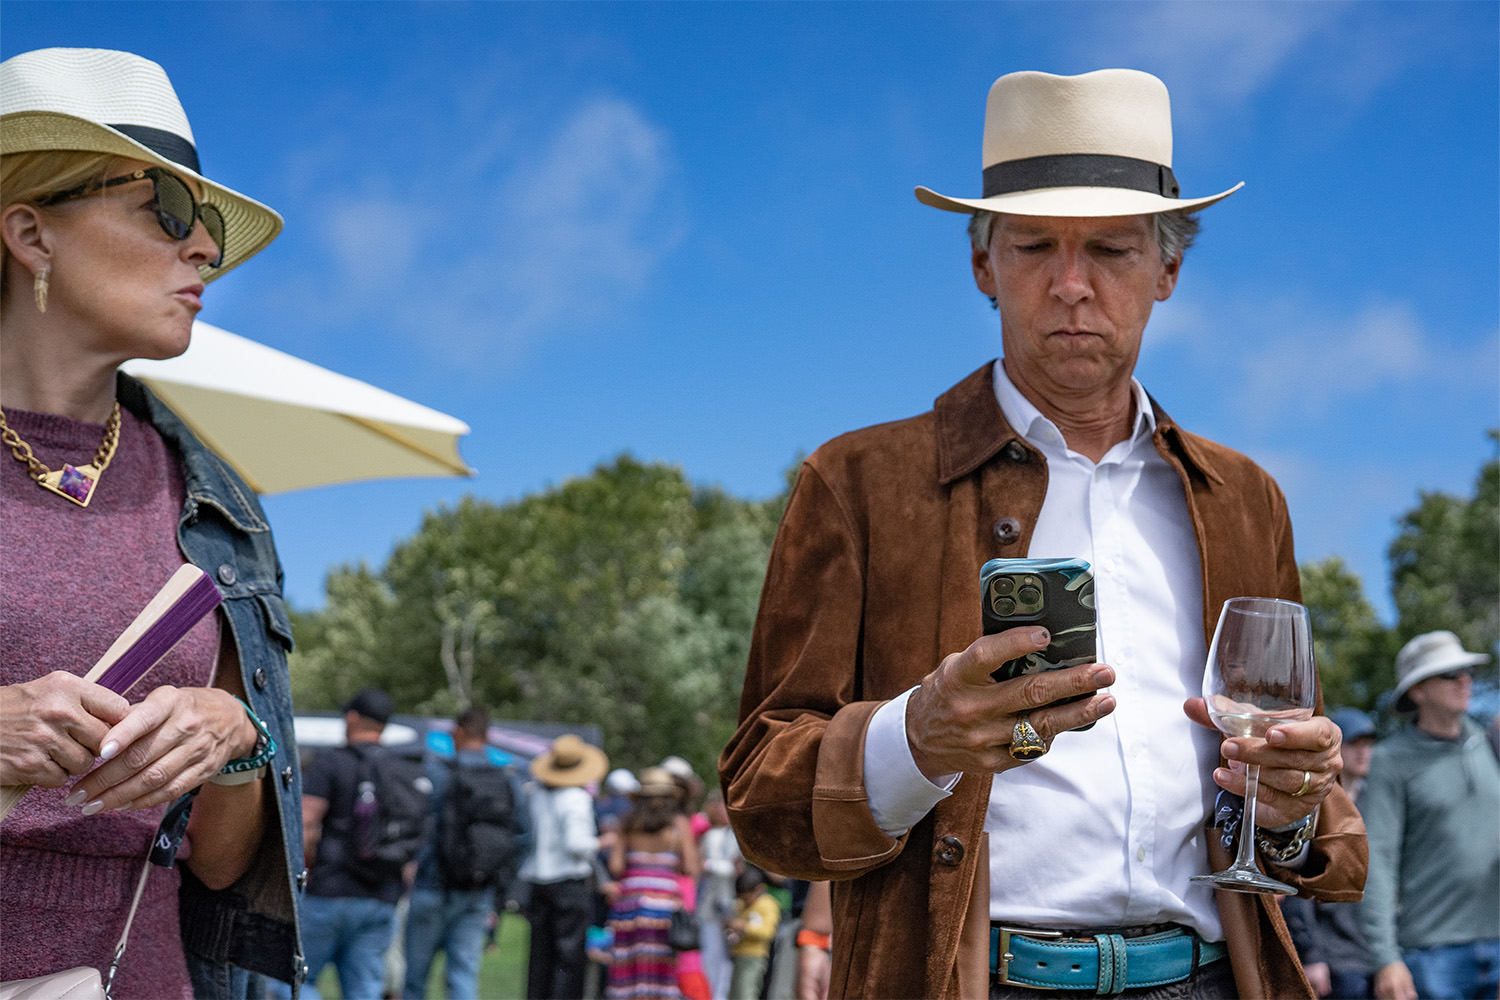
(502, 973)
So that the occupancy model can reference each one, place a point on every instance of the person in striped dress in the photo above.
(647, 860)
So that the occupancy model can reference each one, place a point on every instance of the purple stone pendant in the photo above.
(76, 482)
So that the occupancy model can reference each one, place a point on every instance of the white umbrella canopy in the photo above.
(287, 424)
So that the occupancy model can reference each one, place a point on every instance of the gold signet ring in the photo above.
(1306, 784)
(1025, 742)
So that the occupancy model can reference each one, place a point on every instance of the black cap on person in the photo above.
(372, 703)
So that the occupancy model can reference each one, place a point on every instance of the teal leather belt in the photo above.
(1105, 963)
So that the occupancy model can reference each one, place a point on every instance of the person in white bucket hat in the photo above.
(976, 845)
(110, 233)
(1431, 912)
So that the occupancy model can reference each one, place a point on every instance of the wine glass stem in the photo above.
(1246, 858)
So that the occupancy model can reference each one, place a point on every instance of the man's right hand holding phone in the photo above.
(960, 720)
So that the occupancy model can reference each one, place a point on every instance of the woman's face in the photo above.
(120, 277)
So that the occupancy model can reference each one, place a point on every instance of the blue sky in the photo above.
(686, 230)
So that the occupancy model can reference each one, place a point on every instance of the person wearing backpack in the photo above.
(365, 812)
(466, 865)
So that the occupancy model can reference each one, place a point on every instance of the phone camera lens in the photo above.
(1004, 585)
(1005, 606)
(1030, 595)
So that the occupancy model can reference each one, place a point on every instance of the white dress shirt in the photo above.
(1107, 827)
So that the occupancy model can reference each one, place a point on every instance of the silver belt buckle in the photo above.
(1006, 956)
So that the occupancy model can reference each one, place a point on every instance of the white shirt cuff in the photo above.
(898, 793)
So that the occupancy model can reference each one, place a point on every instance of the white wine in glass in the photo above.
(1260, 673)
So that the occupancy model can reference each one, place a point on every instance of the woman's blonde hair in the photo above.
(31, 178)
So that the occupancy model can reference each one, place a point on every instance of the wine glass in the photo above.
(1260, 672)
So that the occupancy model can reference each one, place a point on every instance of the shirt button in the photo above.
(1007, 530)
(1140, 854)
(286, 777)
(227, 575)
(302, 880)
(950, 851)
(259, 678)
(1015, 451)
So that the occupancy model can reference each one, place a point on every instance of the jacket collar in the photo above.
(971, 430)
(208, 478)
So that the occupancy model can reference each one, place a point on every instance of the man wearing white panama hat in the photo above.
(1431, 914)
(961, 868)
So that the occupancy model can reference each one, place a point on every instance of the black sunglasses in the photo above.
(1454, 675)
(176, 208)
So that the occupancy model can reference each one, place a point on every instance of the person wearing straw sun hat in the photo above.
(976, 843)
(1431, 913)
(110, 231)
(565, 842)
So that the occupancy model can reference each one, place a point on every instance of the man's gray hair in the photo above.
(1175, 231)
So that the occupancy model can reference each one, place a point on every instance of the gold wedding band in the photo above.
(1306, 784)
(1025, 742)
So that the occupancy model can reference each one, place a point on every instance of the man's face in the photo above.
(1445, 694)
(1074, 297)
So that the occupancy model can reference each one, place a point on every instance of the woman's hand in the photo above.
(165, 746)
(52, 728)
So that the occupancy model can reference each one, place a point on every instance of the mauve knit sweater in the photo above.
(71, 579)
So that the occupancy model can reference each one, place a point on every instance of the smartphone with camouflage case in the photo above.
(1057, 594)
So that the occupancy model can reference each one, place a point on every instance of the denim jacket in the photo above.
(251, 925)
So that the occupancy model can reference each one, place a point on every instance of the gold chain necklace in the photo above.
(73, 482)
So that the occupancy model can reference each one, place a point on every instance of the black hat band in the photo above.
(1079, 170)
(167, 145)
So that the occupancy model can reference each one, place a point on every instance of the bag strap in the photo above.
(114, 965)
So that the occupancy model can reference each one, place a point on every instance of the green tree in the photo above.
(1353, 649)
(1445, 574)
(623, 598)
(1445, 563)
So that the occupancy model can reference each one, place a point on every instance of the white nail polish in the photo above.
(92, 807)
(75, 798)
(121, 808)
(109, 750)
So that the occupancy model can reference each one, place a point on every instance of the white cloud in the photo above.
(585, 216)
(1218, 56)
(502, 234)
(1291, 359)
(375, 241)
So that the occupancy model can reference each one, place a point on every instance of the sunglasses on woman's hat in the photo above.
(177, 210)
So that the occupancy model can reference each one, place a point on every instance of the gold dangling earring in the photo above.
(39, 287)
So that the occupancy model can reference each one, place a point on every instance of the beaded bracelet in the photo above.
(244, 770)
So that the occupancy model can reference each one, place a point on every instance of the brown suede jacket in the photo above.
(873, 579)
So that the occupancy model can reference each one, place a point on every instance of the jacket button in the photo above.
(301, 974)
(227, 575)
(286, 777)
(302, 880)
(1007, 530)
(259, 678)
(1016, 451)
(950, 851)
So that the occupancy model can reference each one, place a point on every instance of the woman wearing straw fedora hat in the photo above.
(111, 233)
(565, 845)
(1039, 833)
